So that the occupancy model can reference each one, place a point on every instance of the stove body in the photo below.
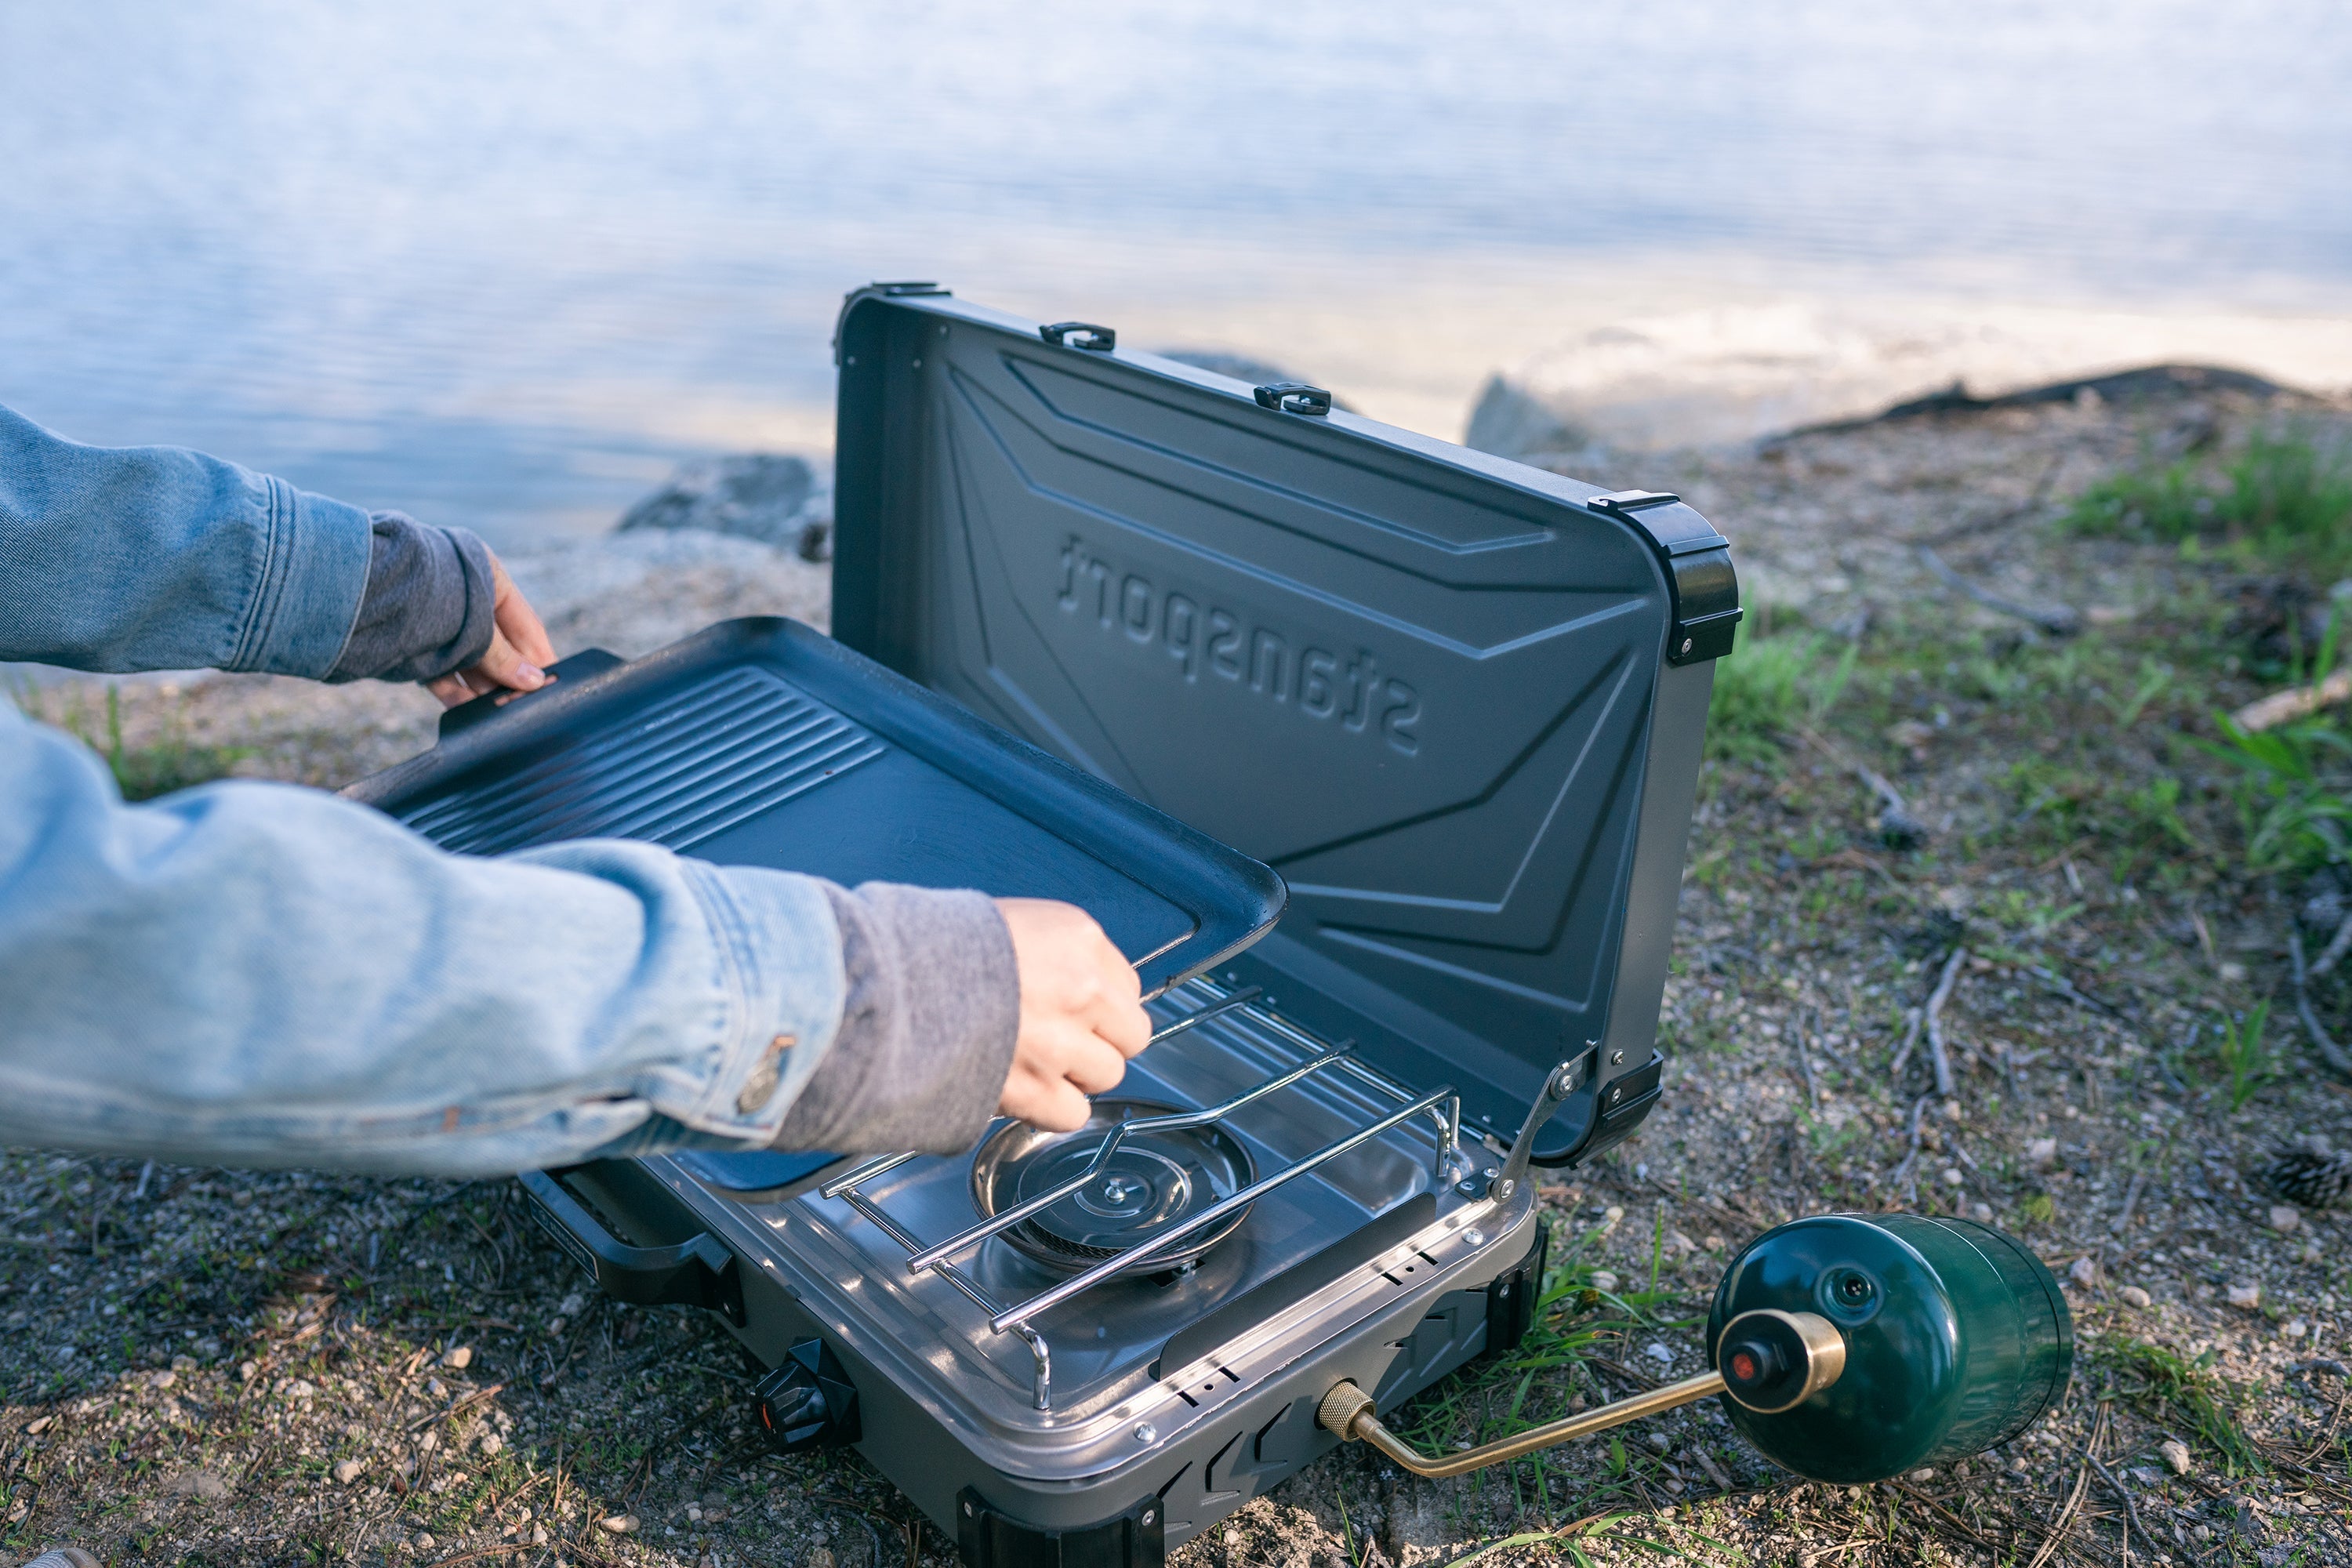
(1457, 704)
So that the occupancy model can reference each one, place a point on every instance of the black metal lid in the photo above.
(1455, 701)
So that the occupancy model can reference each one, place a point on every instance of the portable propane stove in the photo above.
(1122, 631)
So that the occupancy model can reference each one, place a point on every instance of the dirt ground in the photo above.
(210, 1366)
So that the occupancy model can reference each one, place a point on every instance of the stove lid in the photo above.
(1457, 703)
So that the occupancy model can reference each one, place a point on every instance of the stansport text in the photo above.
(1241, 650)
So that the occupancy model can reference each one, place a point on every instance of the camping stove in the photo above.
(1122, 631)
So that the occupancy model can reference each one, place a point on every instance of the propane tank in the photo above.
(1956, 1340)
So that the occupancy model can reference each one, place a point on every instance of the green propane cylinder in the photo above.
(1958, 1339)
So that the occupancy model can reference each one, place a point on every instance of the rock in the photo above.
(2247, 1297)
(246, 1371)
(2041, 1151)
(538, 1535)
(2085, 1271)
(201, 1484)
(298, 1388)
(633, 592)
(1679, 1244)
(1511, 422)
(2175, 1455)
(1658, 1352)
(618, 1523)
(2295, 1328)
(2285, 1218)
(1920, 1476)
(1951, 1176)
(821, 1557)
(764, 495)
(1658, 1441)
(347, 1471)
(422, 1541)
(458, 1356)
(1981, 1212)
(2136, 1298)
(492, 1442)
(1603, 1281)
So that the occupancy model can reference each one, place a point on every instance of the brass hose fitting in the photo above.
(1779, 1359)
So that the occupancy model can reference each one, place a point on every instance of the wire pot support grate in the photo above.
(1441, 1107)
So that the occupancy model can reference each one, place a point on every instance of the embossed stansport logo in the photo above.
(1205, 640)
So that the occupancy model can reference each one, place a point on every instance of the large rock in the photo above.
(776, 500)
(632, 593)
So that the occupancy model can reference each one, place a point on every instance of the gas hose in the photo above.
(1768, 1360)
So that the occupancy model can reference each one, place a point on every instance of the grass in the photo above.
(2281, 500)
(1770, 685)
(2244, 1060)
(158, 767)
(2178, 1391)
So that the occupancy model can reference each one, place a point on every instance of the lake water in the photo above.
(505, 263)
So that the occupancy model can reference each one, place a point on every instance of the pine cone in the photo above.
(2313, 1181)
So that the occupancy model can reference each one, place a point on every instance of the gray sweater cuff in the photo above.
(427, 606)
(926, 1032)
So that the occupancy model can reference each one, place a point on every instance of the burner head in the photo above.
(1152, 1181)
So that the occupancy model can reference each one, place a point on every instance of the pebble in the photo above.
(2285, 1218)
(2246, 1297)
(1603, 1281)
(492, 1442)
(1921, 1476)
(1951, 1176)
(298, 1388)
(2041, 1151)
(2175, 1455)
(2295, 1328)
(458, 1356)
(1658, 1352)
(199, 1484)
(821, 1557)
(347, 1471)
(1658, 1440)
(2136, 1298)
(2085, 1271)
(423, 1540)
(618, 1523)
(246, 1371)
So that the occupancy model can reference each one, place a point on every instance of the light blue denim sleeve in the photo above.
(160, 558)
(255, 973)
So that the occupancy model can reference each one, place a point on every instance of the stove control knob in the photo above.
(808, 1401)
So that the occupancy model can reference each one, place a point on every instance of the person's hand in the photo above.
(518, 654)
(1081, 1014)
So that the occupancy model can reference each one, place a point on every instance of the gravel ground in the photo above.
(228, 1367)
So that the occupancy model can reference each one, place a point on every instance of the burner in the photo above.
(1154, 1180)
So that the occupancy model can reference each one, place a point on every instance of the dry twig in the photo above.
(2058, 620)
(2320, 1038)
(2296, 702)
(1937, 1053)
(2082, 1482)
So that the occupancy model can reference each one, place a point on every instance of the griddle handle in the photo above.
(696, 1272)
(579, 666)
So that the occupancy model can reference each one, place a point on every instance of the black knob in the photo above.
(808, 1401)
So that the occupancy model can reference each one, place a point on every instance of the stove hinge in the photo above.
(1697, 561)
(1136, 1539)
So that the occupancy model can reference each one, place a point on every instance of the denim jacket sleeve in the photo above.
(256, 973)
(160, 558)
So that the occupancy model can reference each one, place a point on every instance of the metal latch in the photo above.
(1293, 397)
(1080, 335)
